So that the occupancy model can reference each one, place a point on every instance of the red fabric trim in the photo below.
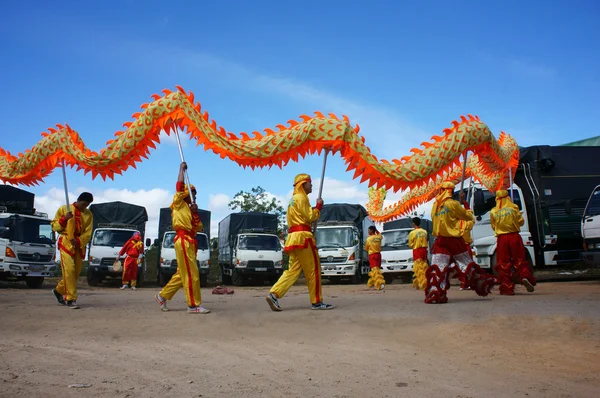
(319, 206)
(297, 247)
(315, 254)
(62, 248)
(180, 186)
(63, 222)
(300, 228)
(466, 204)
(420, 254)
(375, 260)
(130, 269)
(185, 235)
(189, 276)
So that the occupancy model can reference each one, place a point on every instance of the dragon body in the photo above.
(420, 172)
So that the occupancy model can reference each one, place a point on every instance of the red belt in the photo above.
(300, 228)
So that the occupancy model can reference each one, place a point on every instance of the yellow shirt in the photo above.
(71, 230)
(417, 238)
(506, 220)
(181, 216)
(446, 220)
(299, 212)
(466, 227)
(373, 244)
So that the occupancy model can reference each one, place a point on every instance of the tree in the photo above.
(258, 200)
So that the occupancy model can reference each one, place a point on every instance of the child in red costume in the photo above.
(133, 248)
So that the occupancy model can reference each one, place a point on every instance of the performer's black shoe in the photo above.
(59, 297)
(322, 306)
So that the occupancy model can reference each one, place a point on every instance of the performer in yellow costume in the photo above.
(450, 246)
(506, 220)
(373, 247)
(75, 228)
(186, 222)
(300, 245)
(466, 227)
(417, 241)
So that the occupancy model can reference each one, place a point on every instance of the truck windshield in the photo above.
(593, 206)
(259, 242)
(394, 240)
(334, 237)
(169, 241)
(30, 230)
(111, 237)
(489, 201)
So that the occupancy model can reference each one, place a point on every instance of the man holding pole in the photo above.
(74, 224)
(186, 222)
(301, 247)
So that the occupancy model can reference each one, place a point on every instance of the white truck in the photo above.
(249, 248)
(396, 255)
(113, 225)
(342, 230)
(166, 245)
(590, 229)
(27, 242)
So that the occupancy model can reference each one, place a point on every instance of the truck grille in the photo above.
(260, 263)
(108, 261)
(325, 260)
(34, 258)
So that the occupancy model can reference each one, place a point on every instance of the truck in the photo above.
(551, 187)
(590, 229)
(27, 242)
(114, 223)
(396, 255)
(340, 236)
(249, 248)
(166, 247)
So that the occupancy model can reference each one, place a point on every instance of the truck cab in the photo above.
(107, 241)
(168, 260)
(396, 255)
(590, 229)
(340, 251)
(27, 247)
(257, 254)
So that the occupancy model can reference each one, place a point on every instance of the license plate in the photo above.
(261, 269)
(36, 268)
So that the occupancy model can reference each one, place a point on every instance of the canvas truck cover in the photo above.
(16, 200)
(406, 223)
(343, 212)
(121, 213)
(231, 225)
(164, 221)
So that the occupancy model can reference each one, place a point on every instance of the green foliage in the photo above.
(258, 200)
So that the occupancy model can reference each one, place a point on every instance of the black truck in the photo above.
(114, 223)
(249, 248)
(167, 262)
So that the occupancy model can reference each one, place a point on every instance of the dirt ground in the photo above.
(384, 344)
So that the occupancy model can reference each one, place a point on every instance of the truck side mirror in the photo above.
(568, 207)
(156, 242)
(148, 242)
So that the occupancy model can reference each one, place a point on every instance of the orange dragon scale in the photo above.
(421, 172)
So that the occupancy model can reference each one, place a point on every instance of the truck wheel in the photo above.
(388, 279)
(225, 279)
(406, 278)
(92, 279)
(34, 282)
(237, 279)
(203, 280)
(140, 277)
(493, 265)
(355, 279)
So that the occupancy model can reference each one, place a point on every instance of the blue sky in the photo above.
(401, 70)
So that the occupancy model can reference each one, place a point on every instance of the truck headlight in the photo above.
(204, 263)
(278, 264)
(410, 260)
(241, 264)
(95, 261)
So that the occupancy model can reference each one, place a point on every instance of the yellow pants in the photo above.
(71, 268)
(186, 276)
(306, 261)
(419, 278)
(376, 278)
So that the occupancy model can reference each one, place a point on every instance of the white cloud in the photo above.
(218, 201)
